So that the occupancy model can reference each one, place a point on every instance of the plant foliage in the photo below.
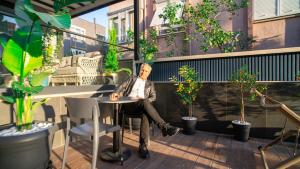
(111, 60)
(245, 81)
(188, 89)
(201, 23)
(22, 54)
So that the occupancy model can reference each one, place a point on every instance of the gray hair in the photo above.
(146, 64)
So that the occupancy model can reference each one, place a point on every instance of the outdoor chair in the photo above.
(289, 116)
(91, 129)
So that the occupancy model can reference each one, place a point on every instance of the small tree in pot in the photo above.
(111, 68)
(188, 91)
(244, 81)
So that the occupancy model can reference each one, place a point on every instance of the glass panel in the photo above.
(288, 7)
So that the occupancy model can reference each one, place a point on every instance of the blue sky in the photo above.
(100, 15)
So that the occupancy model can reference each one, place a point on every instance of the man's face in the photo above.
(144, 72)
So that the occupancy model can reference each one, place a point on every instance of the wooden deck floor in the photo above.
(203, 150)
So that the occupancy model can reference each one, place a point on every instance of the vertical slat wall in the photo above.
(270, 67)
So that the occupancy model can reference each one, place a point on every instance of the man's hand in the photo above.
(114, 96)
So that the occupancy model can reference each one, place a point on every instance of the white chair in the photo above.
(92, 129)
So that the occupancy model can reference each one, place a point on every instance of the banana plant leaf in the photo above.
(37, 79)
(12, 58)
(23, 17)
(3, 39)
(62, 21)
(8, 99)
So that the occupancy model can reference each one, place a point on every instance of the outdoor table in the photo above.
(112, 154)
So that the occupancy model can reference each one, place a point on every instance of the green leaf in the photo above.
(126, 70)
(12, 58)
(4, 37)
(8, 99)
(62, 21)
(35, 105)
(34, 42)
(36, 89)
(37, 79)
(23, 18)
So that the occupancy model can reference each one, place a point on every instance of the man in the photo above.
(143, 89)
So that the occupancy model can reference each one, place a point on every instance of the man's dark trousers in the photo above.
(147, 112)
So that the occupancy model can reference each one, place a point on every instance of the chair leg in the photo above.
(66, 150)
(130, 124)
(95, 152)
(123, 122)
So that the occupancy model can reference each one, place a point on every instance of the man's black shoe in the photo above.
(169, 130)
(143, 151)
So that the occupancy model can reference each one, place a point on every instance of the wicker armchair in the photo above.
(79, 70)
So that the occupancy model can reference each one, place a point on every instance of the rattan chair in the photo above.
(92, 129)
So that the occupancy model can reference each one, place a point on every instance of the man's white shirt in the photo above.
(138, 89)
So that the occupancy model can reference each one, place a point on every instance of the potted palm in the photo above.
(111, 68)
(244, 81)
(188, 91)
(22, 54)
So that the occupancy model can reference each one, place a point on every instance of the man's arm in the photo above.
(152, 94)
(120, 89)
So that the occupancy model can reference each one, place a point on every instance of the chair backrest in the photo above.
(82, 107)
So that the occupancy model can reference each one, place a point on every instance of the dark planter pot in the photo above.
(28, 151)
(189, 125)
(241, 130)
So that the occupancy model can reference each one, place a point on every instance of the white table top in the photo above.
(120, 100)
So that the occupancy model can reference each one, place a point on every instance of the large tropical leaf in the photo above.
(23, 17)
(12, 59)
(34, 43)
(37, 79)
(62, 21)
(8, 99)
(4, 37)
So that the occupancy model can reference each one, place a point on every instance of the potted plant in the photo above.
(111, 67)
(26, 144)
(187, 90)
(244, 81)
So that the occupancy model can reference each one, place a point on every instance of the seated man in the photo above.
(140, 87)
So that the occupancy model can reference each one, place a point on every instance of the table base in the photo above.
(111, 156)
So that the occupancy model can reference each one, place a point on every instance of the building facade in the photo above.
(74, 45)
(265, 24)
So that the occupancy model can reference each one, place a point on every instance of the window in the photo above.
(100, 37)
(264, 9)
(77, 51)
(131, 21)
(78, 30)
(123, 30)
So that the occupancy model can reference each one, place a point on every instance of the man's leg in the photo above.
(144, 130)
(153, 114)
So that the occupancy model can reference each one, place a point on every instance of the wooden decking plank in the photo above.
(193, 151)
(258, 162)
(205, 158)
(177, 154)
(221, 154)
(161, 151)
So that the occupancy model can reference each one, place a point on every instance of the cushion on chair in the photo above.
(69, 71)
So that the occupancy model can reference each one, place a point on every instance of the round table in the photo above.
(116, 153)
